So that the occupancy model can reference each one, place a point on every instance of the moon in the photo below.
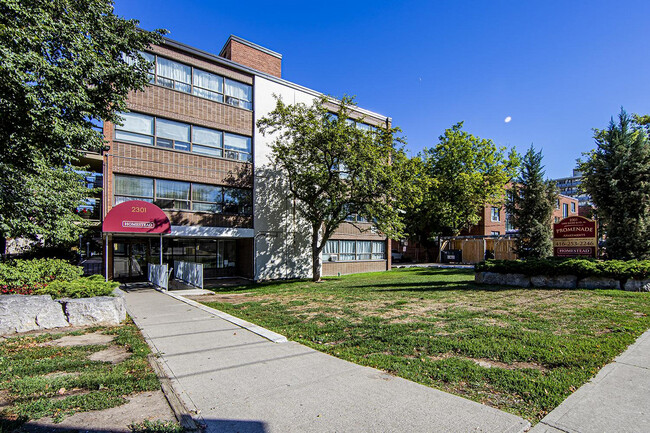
(507, 119)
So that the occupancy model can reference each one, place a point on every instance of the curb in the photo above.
(186, 413)
(262, 332)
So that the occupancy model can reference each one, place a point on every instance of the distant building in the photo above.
(570, 186)
(495, 221)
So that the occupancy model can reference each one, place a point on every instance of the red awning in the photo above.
(136, 216)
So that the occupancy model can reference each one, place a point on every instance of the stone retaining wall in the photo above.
(561, 282)
(22, 313)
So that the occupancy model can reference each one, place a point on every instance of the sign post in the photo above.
(575, 237)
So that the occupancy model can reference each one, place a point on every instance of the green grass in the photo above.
(26, 378)
(436, 327)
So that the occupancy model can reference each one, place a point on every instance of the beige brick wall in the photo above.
(183, 107)
(334, 268)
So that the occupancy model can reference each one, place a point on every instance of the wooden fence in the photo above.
(474, 248)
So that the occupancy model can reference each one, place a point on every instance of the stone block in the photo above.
(634, 285)
(599, 283)
(557, 281)
(100, 310)
(519, 280)
(22, 313)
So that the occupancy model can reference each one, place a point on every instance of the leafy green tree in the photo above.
(49, 197)
(530, 208)
(63, 70)
(462, 173)
(334, 169)
(617, 177)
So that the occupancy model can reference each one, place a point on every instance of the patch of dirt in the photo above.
(58, 374)
(65, 393)
(94, 338)
(489, 363)
(5, 401)
(113, 354)
(150, 406)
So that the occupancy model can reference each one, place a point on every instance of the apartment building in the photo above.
(570, 186)
(189, 146)
(494, 219)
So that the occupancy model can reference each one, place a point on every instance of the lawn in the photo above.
(520, 350)
(39, 377)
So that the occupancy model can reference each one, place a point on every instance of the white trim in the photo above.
(211, 232)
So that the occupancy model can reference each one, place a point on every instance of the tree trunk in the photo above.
(315, 254)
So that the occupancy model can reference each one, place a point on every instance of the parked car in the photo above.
(396, 256)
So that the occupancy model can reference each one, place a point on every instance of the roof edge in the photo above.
(249, 44)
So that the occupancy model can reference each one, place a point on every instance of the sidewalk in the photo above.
(616, 400)
(242, 382)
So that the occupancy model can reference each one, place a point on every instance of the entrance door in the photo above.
(131, 257)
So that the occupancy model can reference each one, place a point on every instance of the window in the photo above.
(345, 251)
(238, 94)
(509, 225)
(139, 128)
(565, 210)
(557, 203)
(573, 207)
(173, 75)
(206, 141)
(496, 233)
(207, 198)
(237, 146)
(171, 194)
(136, 128)
(207, 85)
(495, 214)
(133, 188)
(172, 135)
(557, 220)
(184, 78)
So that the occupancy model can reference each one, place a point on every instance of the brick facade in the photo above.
(250, 55)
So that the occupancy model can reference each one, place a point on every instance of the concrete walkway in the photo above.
(616, 400)
(242, 382)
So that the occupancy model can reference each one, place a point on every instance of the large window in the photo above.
(345, 251)
(171, 194)
(565, 210)
(178, 76)
(495, 214)
(155, 131)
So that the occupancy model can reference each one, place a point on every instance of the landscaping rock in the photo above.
(519, 280)
(557, 281)
(100, 310)
(22, 313)
(599, 283)
(633, 285)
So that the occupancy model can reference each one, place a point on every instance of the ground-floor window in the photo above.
(345, 251)
(132, 255)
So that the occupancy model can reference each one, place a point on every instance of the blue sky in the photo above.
(557, 68)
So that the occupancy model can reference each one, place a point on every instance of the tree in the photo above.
(463, 173)
(334, 169)
(617, 177)
(49, 197)
(530, 208)
(66, 66)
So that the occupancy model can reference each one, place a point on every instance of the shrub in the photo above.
(80, 288)
(156, 427)
(617, 269)
(26, 276)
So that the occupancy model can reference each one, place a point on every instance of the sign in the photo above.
(136, 216)
(575, 237)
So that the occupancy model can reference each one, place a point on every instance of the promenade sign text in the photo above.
(574, 237)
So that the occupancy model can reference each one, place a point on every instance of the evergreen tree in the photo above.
(617, 177)
(530, 208)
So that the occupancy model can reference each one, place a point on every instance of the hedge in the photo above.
(27, 276)
(617, 269)
(86, 287)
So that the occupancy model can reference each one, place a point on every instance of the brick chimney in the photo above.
(252, 55)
